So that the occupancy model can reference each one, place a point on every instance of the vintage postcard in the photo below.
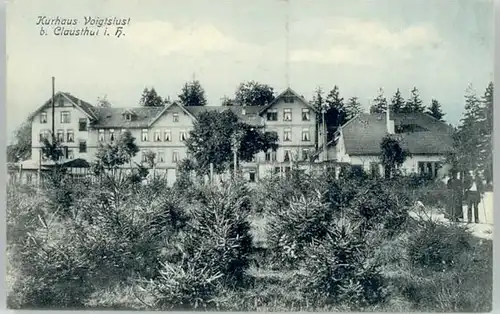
(267, 155)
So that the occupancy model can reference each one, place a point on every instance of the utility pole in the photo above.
(53, 108)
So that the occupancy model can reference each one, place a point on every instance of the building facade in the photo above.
(83, 128)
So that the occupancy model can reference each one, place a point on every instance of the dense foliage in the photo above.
(348, 243)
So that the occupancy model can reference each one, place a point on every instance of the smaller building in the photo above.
(427, 139)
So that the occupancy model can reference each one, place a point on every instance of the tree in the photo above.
(486, 126)
(414, 103)
(397, 102)
(252, 93)
(103, 102)
(21, 149)
(150, 98)
(52, 149)
(319, 104)
(392, 154)
(335, 114)
(469, 133)
(353, 108)
(226, 101)
(193, 94)
(211, 141)
(435, 110)
(379, 103)
(113, 155)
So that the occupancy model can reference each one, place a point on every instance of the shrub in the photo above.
(185, 286)
(219, 230)
(339, 270)
(290, 229)
(436, 246)
(380, 204)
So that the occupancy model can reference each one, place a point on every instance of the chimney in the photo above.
(389, 122)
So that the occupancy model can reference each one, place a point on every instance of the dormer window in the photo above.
(128, 117)
(43, 117)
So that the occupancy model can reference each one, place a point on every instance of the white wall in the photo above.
(75, 115)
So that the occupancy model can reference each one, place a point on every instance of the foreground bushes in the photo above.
(345, 244)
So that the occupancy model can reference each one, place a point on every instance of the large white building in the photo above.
(82, 128)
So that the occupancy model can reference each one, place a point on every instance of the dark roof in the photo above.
(144, 116)
(286, 92)
(251, 112)
(115, 118)
(85, 106)
(363, 134)
(90, 110)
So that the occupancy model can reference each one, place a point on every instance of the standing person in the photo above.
(474, 189)
(455, 211)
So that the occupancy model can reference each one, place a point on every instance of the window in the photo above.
(144, 156)
(144, 136)
(82, 147)
(65, 117)
(161, 156)
(287, 114)
(305, 154)
(70, 136)
(374, 169)
(65, 151)
(175, 156)
(277, 170)
(182, 136)
(43, 117)
(175, 116)
(44, 135)
(306, 114)
(101, 135)
(271, 155)
(252, 176)
(288, 99)
(287, 156)
(60, 135)
(60, 102)
(287, 135)
(111, 135)
(306, 137)
(128, 117)
(272, 115)
(82, 124)
(168, 136)
(29, 178)
(409, 128)
(157, 136)
(70, 155)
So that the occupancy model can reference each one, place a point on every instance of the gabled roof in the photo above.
(286, 92)
(115, 118)
(363, 134)
(87, 108)
(183, 108)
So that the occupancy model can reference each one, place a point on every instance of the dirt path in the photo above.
(483, 230)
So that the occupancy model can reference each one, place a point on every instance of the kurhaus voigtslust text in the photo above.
(86, 26)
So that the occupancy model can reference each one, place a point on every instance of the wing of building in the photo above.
(427, 139)
(82, 128)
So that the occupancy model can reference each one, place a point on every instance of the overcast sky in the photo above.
(438, 46)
